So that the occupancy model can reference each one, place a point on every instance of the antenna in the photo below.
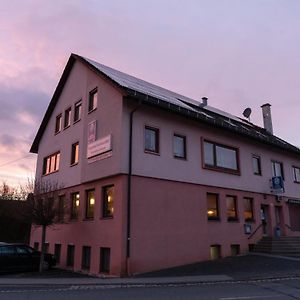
(247, 113)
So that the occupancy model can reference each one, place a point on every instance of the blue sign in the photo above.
(277, 183)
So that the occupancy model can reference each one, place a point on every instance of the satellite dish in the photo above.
(247, 113)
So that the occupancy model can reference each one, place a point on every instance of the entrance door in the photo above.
(264, 218)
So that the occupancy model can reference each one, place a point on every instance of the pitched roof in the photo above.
(151, 94)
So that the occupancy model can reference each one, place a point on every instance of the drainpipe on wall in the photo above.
(129, 190)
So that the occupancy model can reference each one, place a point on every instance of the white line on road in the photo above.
(250, 297)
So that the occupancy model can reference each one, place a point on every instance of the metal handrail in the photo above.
(252, 234)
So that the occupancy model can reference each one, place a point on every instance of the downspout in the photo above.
(129, 190)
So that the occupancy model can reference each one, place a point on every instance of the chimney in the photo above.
(266, 111)
(204, 102)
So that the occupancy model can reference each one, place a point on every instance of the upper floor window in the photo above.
(51, 163)
(93, 99)
(58, 123)
(212, 206)
(75, 202)
(67, 117)
(256, 165)
(179, 146)
(231, 208)
(77, 111)
(277, 169)
(220, 157)
(248, 209)
(90, 204)
(296, 174)
(75, 154)
(151, 139)
(108, 201)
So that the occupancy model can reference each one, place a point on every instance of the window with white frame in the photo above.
(296, 174)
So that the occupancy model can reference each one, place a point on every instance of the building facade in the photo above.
(152, 179)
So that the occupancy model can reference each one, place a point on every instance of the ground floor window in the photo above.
(104, 260)
(36, 246)
(235, 250)
(86, 258)
(57, 250)
(70, 255)
(215, 252)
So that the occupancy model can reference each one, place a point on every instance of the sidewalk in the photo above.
(241, 268)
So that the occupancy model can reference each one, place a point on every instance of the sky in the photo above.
(237, 53)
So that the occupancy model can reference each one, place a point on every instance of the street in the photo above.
(260, 289)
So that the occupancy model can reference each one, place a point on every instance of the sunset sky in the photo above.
(237, 53)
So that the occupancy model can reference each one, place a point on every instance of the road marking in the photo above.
(250, 297)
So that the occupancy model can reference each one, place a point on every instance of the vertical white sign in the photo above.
(92, 131)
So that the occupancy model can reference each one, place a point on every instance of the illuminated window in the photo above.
(75, 202)
(77, 111)
(212, 207)
(179, 146)
(256, 165)
(90, 204)
(151, 139)
(248, 209)
(75, 154)
(220, 157)
(58, 123)
(231, 208)
(67, 122)
(51, 163)
(93, 99)
(108, 201)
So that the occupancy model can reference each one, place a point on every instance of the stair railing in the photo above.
(253, 233)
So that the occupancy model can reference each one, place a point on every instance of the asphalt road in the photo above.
(265, 289)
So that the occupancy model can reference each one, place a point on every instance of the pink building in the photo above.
(153, 179)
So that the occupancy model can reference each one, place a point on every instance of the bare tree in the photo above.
(43, 208)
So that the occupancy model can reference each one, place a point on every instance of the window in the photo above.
(231, 208)
(77, 111)
(75, 154)
(179, 146)
(104, 260)
(277, 169)
(212, 207)
(36, 246)
(108, 201)
(51, 163)
(215, 252)
(67, 117)
(58, 123)
(235, 249)
(256, 165)
(86, 257)
(151, 139)
(248, 210)
(70, 255)
(75, 201)
(61, 206)
(296, 174)
(90, 204)
(57, 250)
(220, 157)
(93, 98)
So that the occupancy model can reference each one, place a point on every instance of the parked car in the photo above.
(20, 257)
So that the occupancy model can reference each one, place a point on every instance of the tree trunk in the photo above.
(43, 248)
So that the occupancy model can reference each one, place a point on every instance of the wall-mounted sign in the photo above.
(92, 131)
(247, 228)
(99, 146)
(277, 185)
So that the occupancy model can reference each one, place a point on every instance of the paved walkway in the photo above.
(241, 268)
